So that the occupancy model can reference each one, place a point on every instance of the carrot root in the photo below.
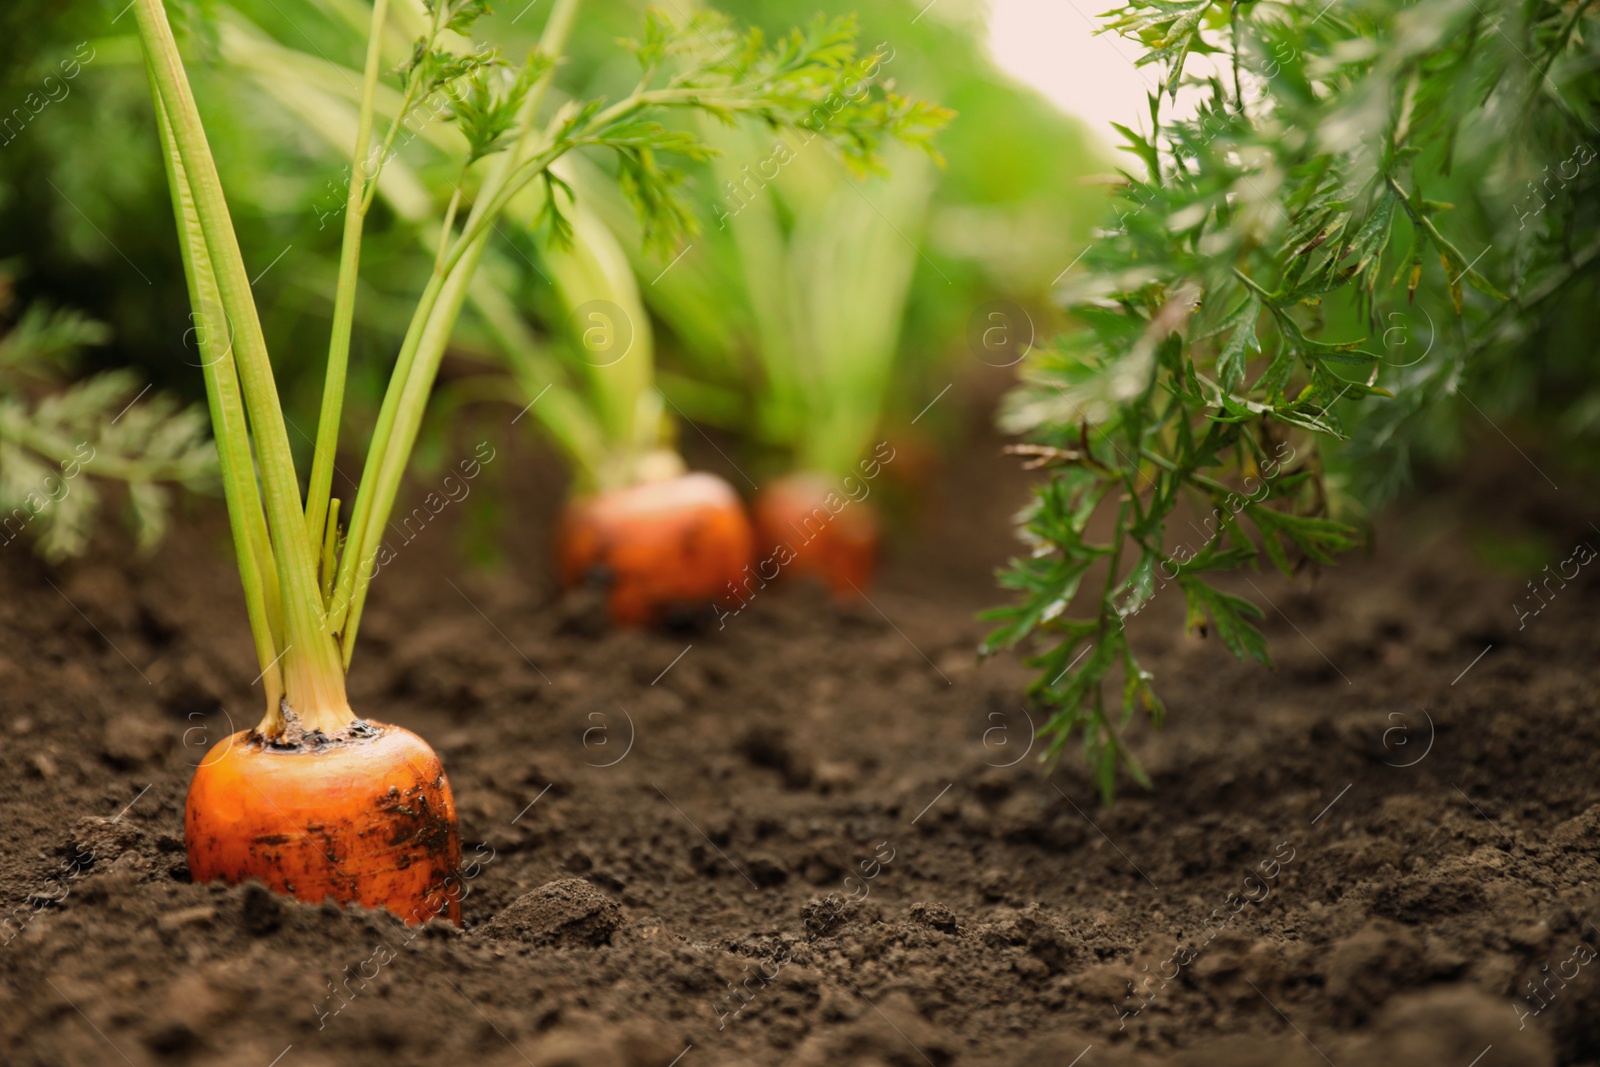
(365, 818)
(660, 549)
(826, 535)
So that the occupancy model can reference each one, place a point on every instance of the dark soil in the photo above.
(813, 837)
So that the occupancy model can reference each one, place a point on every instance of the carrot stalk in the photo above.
(429, 332)
(344, 299)
(313, 682)
(227, 417)
(330, 549)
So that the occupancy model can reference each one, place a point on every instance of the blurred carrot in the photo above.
(660, 549)
(832, 537)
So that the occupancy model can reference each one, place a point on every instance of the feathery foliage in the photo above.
(1350, 172)
(58, 439)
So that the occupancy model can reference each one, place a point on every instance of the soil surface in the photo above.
(818, 835)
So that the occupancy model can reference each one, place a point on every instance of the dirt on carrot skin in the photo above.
(1363, 857)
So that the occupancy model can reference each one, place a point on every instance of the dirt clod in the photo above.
(770, 747)
(1370, 965)
(260, 910)
(133, 740)
(1446, 1025)
(568, 912)
(99, 842)
(934, 916)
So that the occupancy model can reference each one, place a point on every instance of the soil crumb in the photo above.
(568, 912)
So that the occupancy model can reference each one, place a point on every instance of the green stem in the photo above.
(330, 549)
(449, 225)
(1119, 528)
(489, 204)
(561, 410)
(378, 159)
(353, 561)
(406, 103)
(313, 680)
(1250, 284)
(1184, 474)
(228, 424)
(433, 323)
(1233, 47)
(344, 300)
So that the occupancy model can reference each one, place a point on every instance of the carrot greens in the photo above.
(57, 441)
(306, 567)
(798, 300)
(1248, 355)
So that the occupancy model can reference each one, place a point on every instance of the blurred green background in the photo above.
(85, 221)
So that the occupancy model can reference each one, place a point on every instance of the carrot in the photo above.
(660, 548)
(366, 818)
(830, 536)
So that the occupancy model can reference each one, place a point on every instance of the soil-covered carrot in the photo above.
(831, 536)
(663, 550)
(365, 816)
